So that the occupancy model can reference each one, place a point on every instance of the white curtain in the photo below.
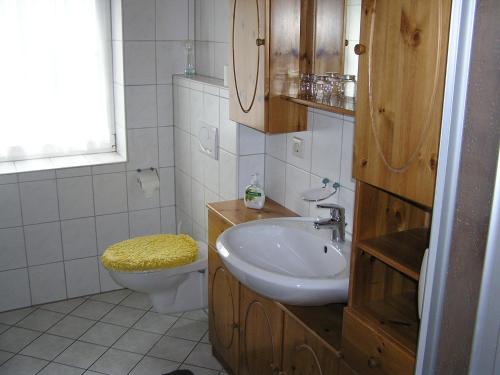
(55, 78)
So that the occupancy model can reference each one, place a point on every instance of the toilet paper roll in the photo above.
(148, 181)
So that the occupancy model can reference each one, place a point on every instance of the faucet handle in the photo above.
(336, 211)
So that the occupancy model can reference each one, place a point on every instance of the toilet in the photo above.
(171, 290)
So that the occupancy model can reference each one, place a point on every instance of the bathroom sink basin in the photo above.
(287, 260)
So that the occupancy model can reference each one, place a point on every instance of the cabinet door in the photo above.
(223, 306)
(304, 353)
(402, 62)
(247, 61)
(261, 331)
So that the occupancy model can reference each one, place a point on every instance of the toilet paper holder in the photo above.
(147, 169)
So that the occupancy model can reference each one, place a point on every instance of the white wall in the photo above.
(55, 223)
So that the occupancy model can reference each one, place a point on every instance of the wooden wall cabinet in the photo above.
(402, 61)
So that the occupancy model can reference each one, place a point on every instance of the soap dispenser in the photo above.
(254, 194)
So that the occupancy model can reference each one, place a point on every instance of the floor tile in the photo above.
(92, 309)
(80, 354)
(198, 370)
(172, 348)
(103, 334)
(155, 322)
(3, 327)
(15, 339)
(47, 347)
(115, 296)
(196, 315)
(92, 373)
(116, 362)
(40, 320)
(65, 306)
(71, 327)
(21, 365)
(202, 356)
(14, 316)
(4, 356)
(124, 316)
(188, 329)
(206, 338)
(137, 341)
(154, 366)
(137, 300)
(58, 369)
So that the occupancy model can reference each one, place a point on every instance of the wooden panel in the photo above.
(260, 334)
(223, 306)
(368, 352)
(284, 62)
(304, 354)
(400, 95)
(235, 212)
(329, 36)
(247, 62)
(345, 369)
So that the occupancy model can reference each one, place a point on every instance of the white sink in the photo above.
(287, 260)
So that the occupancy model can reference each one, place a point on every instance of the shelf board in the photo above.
(401, 250)
(395, 317)
(342, 107)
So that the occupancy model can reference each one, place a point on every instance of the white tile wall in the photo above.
(54, 223)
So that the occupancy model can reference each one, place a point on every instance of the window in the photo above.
(56, 89)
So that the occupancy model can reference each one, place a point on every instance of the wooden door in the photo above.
(261, 332)
(247, 62)
(402, 62)
(304, 353)
(223, 306)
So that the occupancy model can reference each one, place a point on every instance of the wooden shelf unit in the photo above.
(342, 107)
(401, 250)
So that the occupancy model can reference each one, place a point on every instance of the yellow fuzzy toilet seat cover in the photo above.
(150, 253)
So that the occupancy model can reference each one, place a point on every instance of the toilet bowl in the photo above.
(171, 290)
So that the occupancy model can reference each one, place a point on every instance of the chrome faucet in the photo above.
(336, 221)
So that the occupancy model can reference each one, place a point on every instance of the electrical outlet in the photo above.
(298, 147)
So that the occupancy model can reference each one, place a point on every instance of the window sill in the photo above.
(61, 162)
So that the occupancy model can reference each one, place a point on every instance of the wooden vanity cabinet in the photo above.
(402, 61)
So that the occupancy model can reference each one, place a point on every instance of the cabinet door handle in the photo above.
(260, 42)
(372, 362)
(359, 49)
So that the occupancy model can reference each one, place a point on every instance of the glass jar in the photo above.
(349, 86)
(189, 69)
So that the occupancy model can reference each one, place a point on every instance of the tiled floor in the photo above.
(111, 333)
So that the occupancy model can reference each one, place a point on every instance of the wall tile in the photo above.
(12, 254)
(47, 283)
(228, 175)
(139, 63)
(228, 129)
(172, 19)
(221, 23)
(198, 202)
(276, 146)
(10, 206)
(168, 224)
(300, 162)
(275, 179)
(39, 201)
(249, 165)
(251, 141)
(79, 238)
(346, 178)
(166, 146)
(110, 193)
(182, 108)
(73, 172)
(140, 103)
(116, 19)
(138, 19)
(211, 174)
(43, 243)
(75, 197)
(183, 191)
(204, 20)
(144, 222)
(108, 168)
(82, 277)
(316, 181)
(142, 149)
(297, 181)
(196, 111)
(210, 111)
(346, 200)
(8, 178)
(326, 146)
(37, 175)
(204, 58)
(167, 187)
(170, 60)
(111, 229)
(221, 56)
(182, 150)
(137, 199)
(197, 160)
(165, 105)
(14, 289)
(184, 222)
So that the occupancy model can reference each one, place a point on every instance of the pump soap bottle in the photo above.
(254, 194)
